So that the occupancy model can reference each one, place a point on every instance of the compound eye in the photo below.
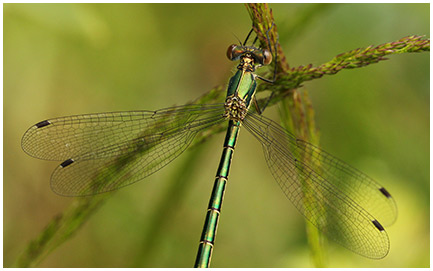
(234, 52)
(267, 57)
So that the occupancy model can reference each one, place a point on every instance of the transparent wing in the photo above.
(362, 189)
(340, 201)
(106, 151)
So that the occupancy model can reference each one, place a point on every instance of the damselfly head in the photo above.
(260, 56)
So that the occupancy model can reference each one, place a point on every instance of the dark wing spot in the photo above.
(42, 124)
(67, 163)
(385, 192)
(378, 225)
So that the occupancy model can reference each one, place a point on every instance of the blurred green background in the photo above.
(64, 59)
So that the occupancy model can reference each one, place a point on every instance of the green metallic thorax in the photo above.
(243, 84)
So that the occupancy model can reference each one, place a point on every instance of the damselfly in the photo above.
(105, 151)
